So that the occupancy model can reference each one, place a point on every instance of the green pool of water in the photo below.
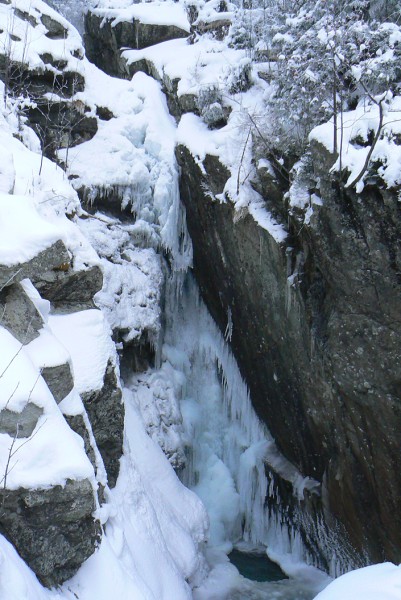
(256, 567)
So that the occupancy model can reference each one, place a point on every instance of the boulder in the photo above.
(55, 30)
(52, 529)
(70, 291)
(20, 424)
(54, 257)
(77, 424)
(217, 27)
(104, 39)
(18, 314)
(59, 380)
(61, 124)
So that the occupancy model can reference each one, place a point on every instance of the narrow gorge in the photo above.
(200, 340)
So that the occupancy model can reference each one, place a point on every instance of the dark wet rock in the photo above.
(188, 103)
(106, 414)
(18, 314)
(71, 291)
(104, 113)
(104, 42)
(316, 332)
(55, 30)
(20, 424)
(40, 81)
(59, 380)
(110, 199)
(77, 424)
(52, 529)
(62, 124)
(25, 16)
(136, 356)
(58, 124)
(56, 256)
(142, 65)
(48, 59)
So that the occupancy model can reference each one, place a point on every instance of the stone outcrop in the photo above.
(20, 424)
(106, 414)
(69, 291)
(53, 529)
(19, 314)
(61, 124)
(104, 39)
(50, 80)
(77, 424)
(59, 380)
(54, 257)
(316, 331)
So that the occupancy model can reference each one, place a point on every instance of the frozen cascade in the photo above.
(227, 445)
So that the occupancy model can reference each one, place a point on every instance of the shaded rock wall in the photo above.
(316, 330)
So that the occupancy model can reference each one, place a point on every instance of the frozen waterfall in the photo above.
(226, 444)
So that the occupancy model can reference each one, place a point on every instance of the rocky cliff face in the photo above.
(315, 328)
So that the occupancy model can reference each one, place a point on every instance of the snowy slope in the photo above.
(153, 525)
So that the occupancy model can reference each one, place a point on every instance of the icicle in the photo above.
(174, 233)
(229, 329)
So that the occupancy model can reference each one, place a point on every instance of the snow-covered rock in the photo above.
(371, 583)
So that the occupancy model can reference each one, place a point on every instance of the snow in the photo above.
(205, 65)
(370, 583)
(29, 42)
(24, 234)
(129, 160)
(34, 216)
(86, 336)
(132, 276)
(208, 63)
(42, 305)
(151, 542)
(17, 581)
(155, 526)
(53, 453)
(131, 294)
(155, 13)
(156, 394)
(46, 350)
(357, 126)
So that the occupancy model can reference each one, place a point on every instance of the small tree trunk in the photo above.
(369, 154)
